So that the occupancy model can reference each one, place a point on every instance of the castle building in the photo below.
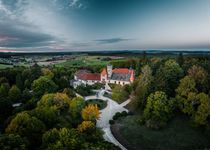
(120, 76)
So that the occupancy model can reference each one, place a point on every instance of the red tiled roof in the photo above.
(121, 70)
(104, 72)
(89, 76)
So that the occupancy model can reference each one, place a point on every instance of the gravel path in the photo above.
(107, 114)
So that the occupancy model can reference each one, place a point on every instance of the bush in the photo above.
(111, 122)
(97, 86)
(115, 117)
(84, 90)
(118, 115)
(124, 113)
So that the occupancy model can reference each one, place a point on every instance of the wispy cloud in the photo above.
(76, 4)
(111, 40)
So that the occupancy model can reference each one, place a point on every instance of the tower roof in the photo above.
(104, 72)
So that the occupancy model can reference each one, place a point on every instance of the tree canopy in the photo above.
(43, 85)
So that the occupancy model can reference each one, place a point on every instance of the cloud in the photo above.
(17, 36)
(111, 40)
(73, 3)
(76, 4)
(4, 9)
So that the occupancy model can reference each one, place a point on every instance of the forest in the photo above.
(50, 116)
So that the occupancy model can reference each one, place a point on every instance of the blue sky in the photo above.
(78, 25)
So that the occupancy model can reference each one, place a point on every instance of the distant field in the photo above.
(77, 62)
(84, 61)
(178, 135)
(2, 66)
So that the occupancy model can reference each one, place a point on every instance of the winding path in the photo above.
(107, 114)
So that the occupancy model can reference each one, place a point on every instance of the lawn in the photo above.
(101, 104)
(2, 66)
(178, 135)
(83, 61)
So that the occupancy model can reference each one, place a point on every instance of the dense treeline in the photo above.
(50, 116)
(166, 87)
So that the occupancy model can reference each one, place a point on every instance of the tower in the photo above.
(109, 71)
(132, 77)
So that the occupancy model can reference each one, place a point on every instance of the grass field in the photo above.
(101, 104)
(83, 61)
(178, 135)
(2, 66)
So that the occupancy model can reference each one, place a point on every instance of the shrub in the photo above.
(118, 115)
(111, 122)
(124, 113)
(115, 117)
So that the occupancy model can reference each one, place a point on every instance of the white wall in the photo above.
(118, 82)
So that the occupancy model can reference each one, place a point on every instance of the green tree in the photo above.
(26, 126)
(47, 72)
(194, 104)
(63, 82)
(83, 90)
(14, 94)
(19, 82)
(43, 85)
(187, 85)
(12, 142)
(119, 94)
(3, 80)
(200, 75)
(48, 115)
(143, 87)
(58, 100)
(4, 89)
(186, 92)
(76, 106)
(203, 110)
(62, 139)
(168, 76)
(27, 84)
(26, 95)
(34, 72)
(158, 107)
(71, 94)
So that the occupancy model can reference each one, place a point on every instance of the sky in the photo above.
(100, 25)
